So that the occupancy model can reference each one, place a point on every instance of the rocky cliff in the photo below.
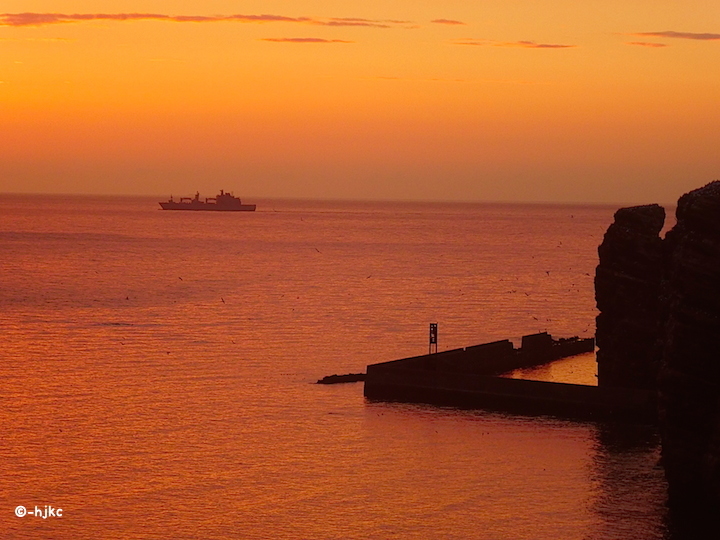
(689, 374)
(627, 288)
(659, 327)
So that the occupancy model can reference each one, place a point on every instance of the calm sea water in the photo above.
(156, 374)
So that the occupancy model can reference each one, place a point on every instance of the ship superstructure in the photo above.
(224, 202)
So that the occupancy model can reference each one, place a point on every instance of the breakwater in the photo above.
(498, 356)
(469, 377)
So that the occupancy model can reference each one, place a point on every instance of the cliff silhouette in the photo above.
(659, 328)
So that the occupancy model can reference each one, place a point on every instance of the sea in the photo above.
(158, 369)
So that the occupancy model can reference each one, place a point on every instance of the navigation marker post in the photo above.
(433, 337)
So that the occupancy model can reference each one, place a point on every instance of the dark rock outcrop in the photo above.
(337, 379)
(689, 345)
(659, 327)
(627, 286)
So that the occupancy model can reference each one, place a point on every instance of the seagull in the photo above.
(223, 300)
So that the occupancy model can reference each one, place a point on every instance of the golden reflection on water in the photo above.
(579, 369)
(157, 367)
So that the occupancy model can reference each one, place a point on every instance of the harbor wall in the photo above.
(468, 377)
(498, 356)
(397, 383)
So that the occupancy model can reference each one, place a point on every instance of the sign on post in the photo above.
(433, 337)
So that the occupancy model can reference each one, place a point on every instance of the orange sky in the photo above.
(596, 101)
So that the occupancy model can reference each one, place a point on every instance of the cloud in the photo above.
(427, 79)
(478, 81)
(41, 19)
(305, 40)
(346, 22)
(255, 18)
(46, 39)
(513, 44)
(646, 44)
(447, 21)
(533, 45)
(679, 35)
(355, 21)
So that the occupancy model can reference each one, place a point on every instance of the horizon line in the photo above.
(359, 200)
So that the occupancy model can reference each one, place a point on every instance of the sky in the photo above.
(600, 101)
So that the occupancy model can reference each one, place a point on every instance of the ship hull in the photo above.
(207, 206)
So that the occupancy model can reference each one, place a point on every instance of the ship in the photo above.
(224, 202)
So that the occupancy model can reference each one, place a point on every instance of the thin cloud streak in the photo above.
(646, 44)
(448, 21)
(47, 39)
(478, 81)
(680, 35)
(511, 44)
(356, 21)
(431, 79)
(305, 40)
(42, 19)
(336, 22)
